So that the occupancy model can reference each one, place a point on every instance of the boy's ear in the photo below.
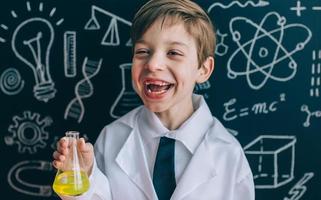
(206, 70)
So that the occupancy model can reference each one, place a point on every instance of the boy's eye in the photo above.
(174, 53)
(141, 51)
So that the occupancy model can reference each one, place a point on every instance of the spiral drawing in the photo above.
(10, 82)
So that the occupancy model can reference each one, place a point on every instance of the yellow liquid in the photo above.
(69, 183)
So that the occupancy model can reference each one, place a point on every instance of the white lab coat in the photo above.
(218, 169)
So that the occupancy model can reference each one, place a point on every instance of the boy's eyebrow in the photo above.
(177, 43)
(141, 41)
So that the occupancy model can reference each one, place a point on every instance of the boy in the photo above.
(172, 147)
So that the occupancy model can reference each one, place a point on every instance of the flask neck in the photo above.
(72, 134)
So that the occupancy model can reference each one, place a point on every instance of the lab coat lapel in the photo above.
(198, 171)
(132, 161)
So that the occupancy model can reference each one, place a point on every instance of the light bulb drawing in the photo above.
(31, 43)
(41, 38)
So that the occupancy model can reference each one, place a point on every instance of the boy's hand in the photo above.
(85, 150)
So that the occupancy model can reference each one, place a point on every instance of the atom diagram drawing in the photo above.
(265, 51)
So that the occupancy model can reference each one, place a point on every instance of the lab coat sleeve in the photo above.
(99, 187)
(244, 190)
(244, 186)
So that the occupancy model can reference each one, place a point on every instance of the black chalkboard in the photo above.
(65, 65)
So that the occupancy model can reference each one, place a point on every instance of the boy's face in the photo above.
(165, 67)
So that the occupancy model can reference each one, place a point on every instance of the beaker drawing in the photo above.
(127, 98)
(71, 179)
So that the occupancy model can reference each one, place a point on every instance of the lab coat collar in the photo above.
(132, 161)
(202, 167)
(199, 170)
(190, 133)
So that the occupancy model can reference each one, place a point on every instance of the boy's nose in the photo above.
(155, 63)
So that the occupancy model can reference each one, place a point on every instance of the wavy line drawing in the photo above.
(83, 89)
(260, 3)
(10, 82)
(260, 58)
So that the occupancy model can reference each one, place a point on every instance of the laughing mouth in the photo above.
(157, 87)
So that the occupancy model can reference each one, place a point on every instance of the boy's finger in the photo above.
(55, 155)
(58, 156)
(84, 147)
(82, 144)
(57, 164)
(62, 145)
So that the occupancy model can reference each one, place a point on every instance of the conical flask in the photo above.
(71, 179)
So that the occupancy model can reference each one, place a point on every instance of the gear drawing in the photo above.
(28, 132)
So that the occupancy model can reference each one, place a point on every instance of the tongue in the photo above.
(157, 88)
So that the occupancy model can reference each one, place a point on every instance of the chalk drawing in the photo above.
(83, 89)
(10, 82)
(21, 183)
(265, 154)
(28, 132)
(299, 189)
(260, 59)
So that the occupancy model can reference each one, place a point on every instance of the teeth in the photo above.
(155, 92)
(159, 84)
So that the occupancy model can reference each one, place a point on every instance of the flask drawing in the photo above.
(71, 179)
(127, 98)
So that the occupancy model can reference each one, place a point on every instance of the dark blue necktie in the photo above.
(164, 171)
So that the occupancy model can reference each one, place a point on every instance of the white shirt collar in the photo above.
(190, 133)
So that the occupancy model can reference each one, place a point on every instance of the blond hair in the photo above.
(195, 19)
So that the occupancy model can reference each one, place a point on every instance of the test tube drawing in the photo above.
(70, 54)
(127, 98)
(83, 89)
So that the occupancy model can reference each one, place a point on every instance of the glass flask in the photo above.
(71, 179)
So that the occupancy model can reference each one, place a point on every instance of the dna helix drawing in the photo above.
(83, 89)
